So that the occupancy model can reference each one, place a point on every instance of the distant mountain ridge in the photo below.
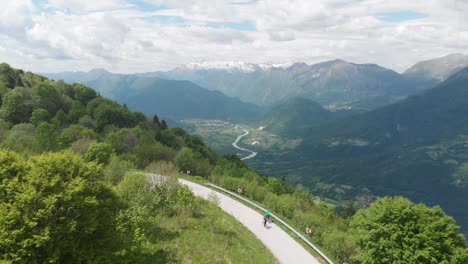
(168, 98)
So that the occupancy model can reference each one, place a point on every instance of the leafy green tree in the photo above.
(87, 121)
(39, 115)
(73, 133)
(162, 167)
(4, 130)
(190, 160)
(154, 151)
(81, 146)
(60, 118)
(125, 139)
(12, 169)
(347, 211)
(83, 94)
(277, 186)
(100, 153)
(394, 230)
(3, 91)
(46, 137)
(15, 107)
(185, 198)
(77, 111)
(141, 226)
(20, 138)
(46, 96)
(109, 114)
(7, 75)
(117, 169)
(61, 213)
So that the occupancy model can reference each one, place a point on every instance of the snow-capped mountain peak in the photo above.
(225, 66)
(232, 66)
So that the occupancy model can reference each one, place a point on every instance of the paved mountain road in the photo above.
(285, 249)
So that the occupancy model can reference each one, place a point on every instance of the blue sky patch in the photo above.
(244, 25)
(142, 5)
(401, 16)
(168, 20)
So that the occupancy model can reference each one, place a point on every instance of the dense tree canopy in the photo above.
(394, 230)
(58, 211)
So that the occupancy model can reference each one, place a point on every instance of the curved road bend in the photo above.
(285, 249)
(234, 144)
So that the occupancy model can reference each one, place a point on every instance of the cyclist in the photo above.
(267, 215)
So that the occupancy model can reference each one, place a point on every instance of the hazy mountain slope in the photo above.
(431, 72)
(183, 99)
(258, 86)
(296, 116)
(416, 148)
(169, 98)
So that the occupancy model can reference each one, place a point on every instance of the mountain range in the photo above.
(335, 84)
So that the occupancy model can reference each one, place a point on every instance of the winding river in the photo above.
(234, 144)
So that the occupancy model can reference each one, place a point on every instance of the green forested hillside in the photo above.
(416, 148)
(74, 189)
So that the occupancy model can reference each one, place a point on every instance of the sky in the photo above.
(128, 36)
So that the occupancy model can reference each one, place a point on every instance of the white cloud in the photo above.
(16, 17)
(85, 6)
(120, 36)
(287, 35)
